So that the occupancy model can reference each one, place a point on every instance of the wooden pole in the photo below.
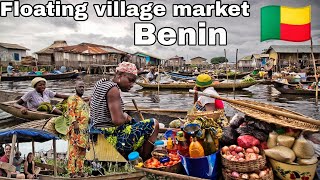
(271, 111)
(235, 77)
(33, 149)
(158, 80)
(54, 158)
(315, 72)
(139, 112)
(225, 57)
(13, 144)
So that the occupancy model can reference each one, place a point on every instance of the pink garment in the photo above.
(218, 104)
(127, 67)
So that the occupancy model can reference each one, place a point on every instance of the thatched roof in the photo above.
(13, 46)
(50, 49)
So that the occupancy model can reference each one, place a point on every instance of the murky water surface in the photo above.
(171, 99)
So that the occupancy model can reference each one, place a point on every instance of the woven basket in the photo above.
(247, 166)
(208, 114)
(49, 126)
(227, 176)
(275, 119)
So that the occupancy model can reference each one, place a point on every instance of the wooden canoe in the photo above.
(66, 75)
(163, 115)
(291, 89)
(238, 76)
(229, 85)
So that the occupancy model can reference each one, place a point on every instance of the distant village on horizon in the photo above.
(87, 55)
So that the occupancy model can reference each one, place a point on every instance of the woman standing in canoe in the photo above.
(38, 97)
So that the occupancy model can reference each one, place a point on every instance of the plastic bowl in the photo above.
(292, 171)
(205, 167)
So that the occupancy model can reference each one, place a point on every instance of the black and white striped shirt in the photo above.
(99, 110)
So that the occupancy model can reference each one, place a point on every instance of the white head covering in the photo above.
(36, 80)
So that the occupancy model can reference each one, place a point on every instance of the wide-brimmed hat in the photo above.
(203, 80)
(36, 80)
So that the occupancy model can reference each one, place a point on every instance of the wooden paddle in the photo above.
(270, 111)
(139, 112)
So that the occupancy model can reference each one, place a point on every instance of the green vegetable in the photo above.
(248, 79)
(45, 106)
(62, 125)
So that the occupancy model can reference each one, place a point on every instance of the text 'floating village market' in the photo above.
(110, 139)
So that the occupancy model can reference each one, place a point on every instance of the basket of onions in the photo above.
(265, 174)
(238, 159)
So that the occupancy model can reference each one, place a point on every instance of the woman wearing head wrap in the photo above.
(204, 103)
(107, 114)
(33, 99)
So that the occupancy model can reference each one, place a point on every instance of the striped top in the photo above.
(99, 110)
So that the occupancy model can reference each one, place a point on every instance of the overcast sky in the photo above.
(243, 32)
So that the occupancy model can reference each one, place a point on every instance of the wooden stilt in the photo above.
(54, 158)
(225, 57)
(33, 149)
(235, 76)
(14, 139)
(315, 72)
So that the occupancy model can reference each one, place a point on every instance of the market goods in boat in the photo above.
(302, 148)
(261, 174)
(272, 140)
(239, 154)
(281, 153)
(155, 163)
(283, 140)
(247, 141)
(310, 161)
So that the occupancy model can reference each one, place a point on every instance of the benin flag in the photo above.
(286, 23)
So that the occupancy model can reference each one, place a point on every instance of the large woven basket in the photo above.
(247, 166)
(208, 114)
(275, 119)
(227, 176)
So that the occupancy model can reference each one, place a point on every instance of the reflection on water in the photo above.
(177, 99)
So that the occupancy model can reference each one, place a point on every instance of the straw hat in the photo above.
(203, 80)
(36, 80)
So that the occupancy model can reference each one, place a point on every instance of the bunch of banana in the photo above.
(45, 106)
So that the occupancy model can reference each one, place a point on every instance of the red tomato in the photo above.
(170, 163)
(166, 163)
(175, 159)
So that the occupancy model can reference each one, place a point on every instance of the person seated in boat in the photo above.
(5, 158)
(78, 112)
(10, 69)
(29, 167)
(204, 103)
(107, 114)
(17, 161)
(39, 97)
(152, 76)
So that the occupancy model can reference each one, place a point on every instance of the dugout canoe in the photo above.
(66, 75)
(238, 76)
(163, 115)
(229, 85)
(291, 89)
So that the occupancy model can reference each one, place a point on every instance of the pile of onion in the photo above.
(239, 154)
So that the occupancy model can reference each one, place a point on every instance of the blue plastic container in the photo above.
(204, 167)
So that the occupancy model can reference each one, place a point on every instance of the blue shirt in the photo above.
(9, 69)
